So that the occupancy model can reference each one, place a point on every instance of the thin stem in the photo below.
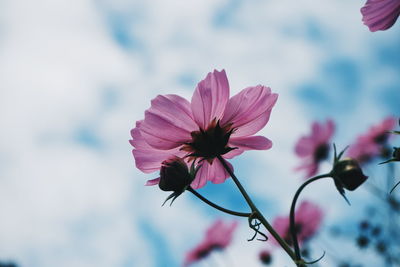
(231, 212)
(390, 178)
(257, 213)
(292, 214)
(391, 191)
(391, 220)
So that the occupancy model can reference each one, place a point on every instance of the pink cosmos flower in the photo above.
(314, 148)
(371, 144)
(217, 237)
(308, 219)
(380, 15)
(211, 125)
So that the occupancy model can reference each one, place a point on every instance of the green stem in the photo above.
(258, 214)
(231, 212)
(292, 213)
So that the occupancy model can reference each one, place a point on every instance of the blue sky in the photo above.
(76, 76)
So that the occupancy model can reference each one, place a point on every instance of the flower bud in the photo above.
(174, 175)
(265, 257)
(362, 241)
(348, 172)
(395, 156)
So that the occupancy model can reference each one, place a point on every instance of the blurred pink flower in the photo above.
(217, 237)
(371, 144)
(308, 219)
(314, 148)
(380, 15)
(211, 125)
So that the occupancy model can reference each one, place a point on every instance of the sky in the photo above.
(75, 76)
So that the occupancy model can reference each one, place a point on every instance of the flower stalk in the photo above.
(212, 204)
(258, 215)
(292, 213)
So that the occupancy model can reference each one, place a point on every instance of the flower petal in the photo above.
(153, 181)
(310, 166)
(214, 172)
(147, 158)
(221, 233)
(328, 131)
(210, 98)
(168, 122)
(380, 14)
(251, 143)
(304, 147)
(310, 216)
(249, 110)
(281, 226)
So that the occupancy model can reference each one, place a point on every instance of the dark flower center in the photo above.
(207, 250)
(298, 227)
(288, 236)
(381, 139)
(364, 158)
(209, 143)
(321, 152)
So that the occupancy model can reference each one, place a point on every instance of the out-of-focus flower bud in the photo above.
(265, 257)
(396, 153)
(362, 241)
(395, 156)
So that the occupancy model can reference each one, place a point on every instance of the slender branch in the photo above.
(390, 176)
(258, 214)
(292, 214)
(391, 191)
(205, 200)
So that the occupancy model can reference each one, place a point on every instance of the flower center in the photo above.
(381, 139)
(209, 143)
(207, 250)
(321, 152)
(288, 235)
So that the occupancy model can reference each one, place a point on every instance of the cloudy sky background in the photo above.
(76, 75)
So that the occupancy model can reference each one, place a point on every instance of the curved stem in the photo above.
(391, 191)
(292, 214)
(231, 212)
(257, 213)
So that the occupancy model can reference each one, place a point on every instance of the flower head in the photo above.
(308, 219)
(210, 126)
(217, 237)
(372, 144)
(314, 148)
(380, 15)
